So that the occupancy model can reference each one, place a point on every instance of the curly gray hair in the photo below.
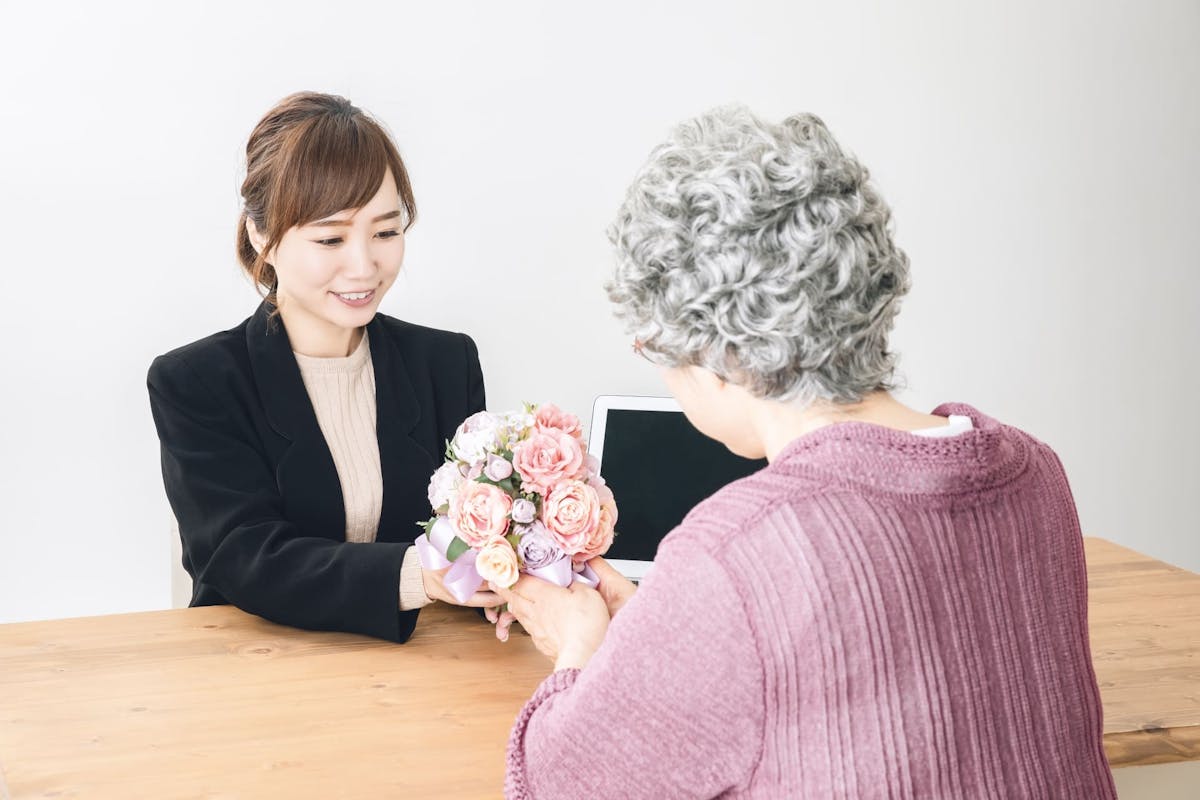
(762, 253)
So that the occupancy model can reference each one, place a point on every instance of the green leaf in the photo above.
(513, 539)
(457, 548)
(427, 525)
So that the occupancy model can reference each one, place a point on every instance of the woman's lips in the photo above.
(355, 299)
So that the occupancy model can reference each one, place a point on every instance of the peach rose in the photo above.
(551, 416)
(572, 515)
(480, 513)
(497, 563)
(546, 458)
(601, 539)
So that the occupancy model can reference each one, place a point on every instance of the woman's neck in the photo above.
(313, 336)
(779, 424)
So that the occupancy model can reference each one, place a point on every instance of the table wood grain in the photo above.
(1144, 620)
(216, 703)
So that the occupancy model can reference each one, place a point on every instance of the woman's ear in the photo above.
(257, 240)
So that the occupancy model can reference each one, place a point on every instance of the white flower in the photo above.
(476, 437)
(518, 424)
(444, 484)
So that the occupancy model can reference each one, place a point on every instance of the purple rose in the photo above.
(537, 549)
(523, 511)
(498, 468)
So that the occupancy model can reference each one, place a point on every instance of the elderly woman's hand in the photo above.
(614, 587)
(567, 625)
(502, 618)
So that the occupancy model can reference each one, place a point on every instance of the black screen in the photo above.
(658, 467)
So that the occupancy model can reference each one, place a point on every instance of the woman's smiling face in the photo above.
(334, 271)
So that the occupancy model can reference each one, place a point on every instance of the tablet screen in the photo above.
(658, 467)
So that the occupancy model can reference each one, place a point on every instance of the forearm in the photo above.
(310, 583)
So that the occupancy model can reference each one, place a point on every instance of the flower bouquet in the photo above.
(518, 493)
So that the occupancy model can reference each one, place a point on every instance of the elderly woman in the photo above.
(894, 607)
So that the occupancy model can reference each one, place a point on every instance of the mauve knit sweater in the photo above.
(875, 614)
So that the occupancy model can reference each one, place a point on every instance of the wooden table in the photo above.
(215, 703)
(1144, 618)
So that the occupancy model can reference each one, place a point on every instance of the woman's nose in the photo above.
(360, 261)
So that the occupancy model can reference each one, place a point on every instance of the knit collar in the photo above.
(869, 456)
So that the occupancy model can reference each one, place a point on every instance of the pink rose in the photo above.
(546, 458)
(551, 416)
(572, 515)
(601, 539)
(497, 563)
(480, 513)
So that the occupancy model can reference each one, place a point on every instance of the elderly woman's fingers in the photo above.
(504, 621)
(524, 594)
(614, 587)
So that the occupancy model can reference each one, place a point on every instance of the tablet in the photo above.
(658, 467)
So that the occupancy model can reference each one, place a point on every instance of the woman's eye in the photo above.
(330, 242)
(388, 234)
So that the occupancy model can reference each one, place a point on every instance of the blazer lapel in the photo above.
(406, 465)
(306, 475)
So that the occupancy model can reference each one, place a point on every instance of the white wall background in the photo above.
(1041, 159)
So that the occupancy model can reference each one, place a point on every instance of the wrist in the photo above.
(573, 658)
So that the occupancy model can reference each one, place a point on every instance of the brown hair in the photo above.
(310, 156)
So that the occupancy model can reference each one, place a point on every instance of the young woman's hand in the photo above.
(614, 587)
(435, 588)
(567, 625)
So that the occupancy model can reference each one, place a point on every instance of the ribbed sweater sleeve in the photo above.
(675, 669)
(412, 585)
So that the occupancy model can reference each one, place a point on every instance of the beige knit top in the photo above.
(342, 392)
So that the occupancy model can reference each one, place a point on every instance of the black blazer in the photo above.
(253, 485)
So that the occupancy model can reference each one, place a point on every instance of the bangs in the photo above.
(335, 163)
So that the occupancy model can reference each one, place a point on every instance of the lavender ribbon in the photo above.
(561, 573)
(462, 580)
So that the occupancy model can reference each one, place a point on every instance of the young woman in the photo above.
(297, 447)
(895, 607)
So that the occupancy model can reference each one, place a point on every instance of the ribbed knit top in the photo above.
(873, 615)
(342, 392)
